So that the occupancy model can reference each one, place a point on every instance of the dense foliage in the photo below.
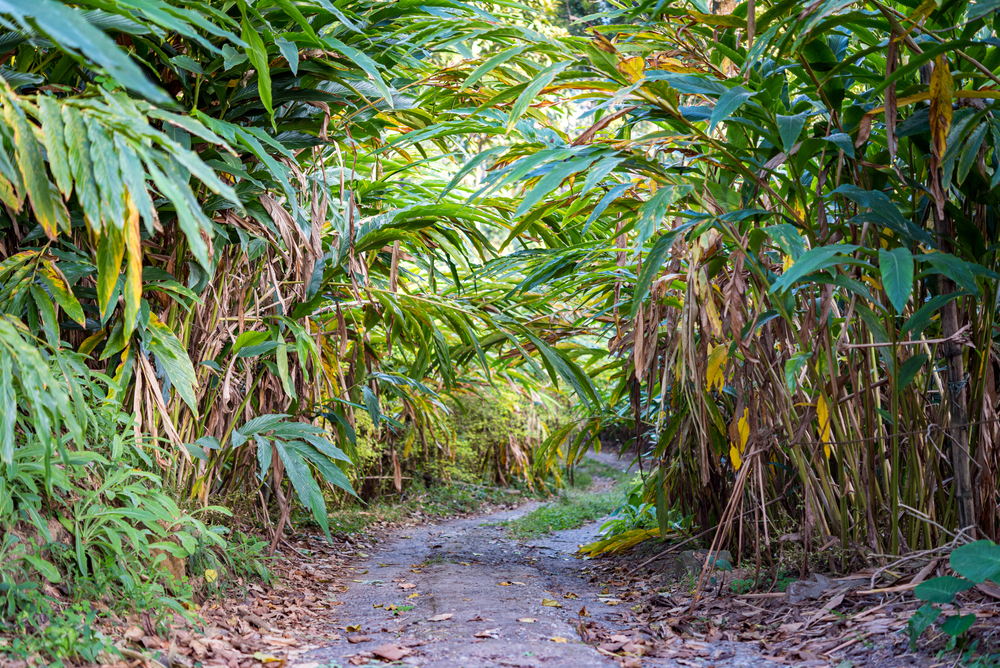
(760, 237)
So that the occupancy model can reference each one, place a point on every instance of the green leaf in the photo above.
(941, 590)
(55, 146)
(788, 239)
(896, 267)
(909, 369)
(55, 284)
(110, 251)
(919, 321)
(366, 64)
(257, 53)
(107, 175)
(264, 454)
(956, 625)
(920, 621)
(174, 360)
(957, 270)
(490, 64)
(305, 486)
(811, 261)
(730, 101)
(48, 571)
(978, 561)
(290, 51)
(793, 367)
(248, 339)
(281, 357)
(843, 142)
(532, 91)
(651, 268)
(789, 129)
(78, 151)
(70, 32)
(48, 208)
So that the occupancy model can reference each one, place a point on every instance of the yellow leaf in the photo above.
(211, 575)
(633, 68)
(787, 263)
(133, 268)
(738, 447)
(551, 602)
(558, 639)
(91, 342)
(716, 364)
(266, 658)
(823, 414)
(413, 595)
(527, 620)
(942, 89)
(353, 628)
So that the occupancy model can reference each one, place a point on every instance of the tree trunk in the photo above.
(958, 430)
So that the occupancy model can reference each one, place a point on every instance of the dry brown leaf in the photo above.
(442, 617)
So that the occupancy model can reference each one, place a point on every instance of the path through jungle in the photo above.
(480, 598)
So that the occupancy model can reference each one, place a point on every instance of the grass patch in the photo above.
(572, 509)
(597, 468)
(417, 502)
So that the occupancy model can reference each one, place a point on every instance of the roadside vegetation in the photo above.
(262, 263)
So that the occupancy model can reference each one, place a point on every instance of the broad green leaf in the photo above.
(174, 360)
(978, 561)
(79, 153)
(920, 621)
(957, 270)
(942, 589)
(110, 251)
(55, 145)
(365, 63)
(896, 267)
(793, 367)
(789, 129)
(956, 625)
(728, 102)
(811, 261)
(107, 175)
(48, 571)
(69, 31)
(909, 369)
(55, 284)
(48, 208)
(257, 53)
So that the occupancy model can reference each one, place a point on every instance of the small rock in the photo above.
(355, 639)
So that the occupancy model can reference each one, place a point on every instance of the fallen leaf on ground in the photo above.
(280, 642)
(503, 584)
(266, 658)
(583, 612)
(488, 633)
(413, 595)
(353, 628)
(441, 617)
(527, 620)
(570, 595)
(551, 602)
(558, 639)
(515, 582)
(391, 652)
(407, 585)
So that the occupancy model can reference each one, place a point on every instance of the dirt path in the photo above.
(493, 589)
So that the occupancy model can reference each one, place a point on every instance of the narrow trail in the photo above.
(493, 589)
